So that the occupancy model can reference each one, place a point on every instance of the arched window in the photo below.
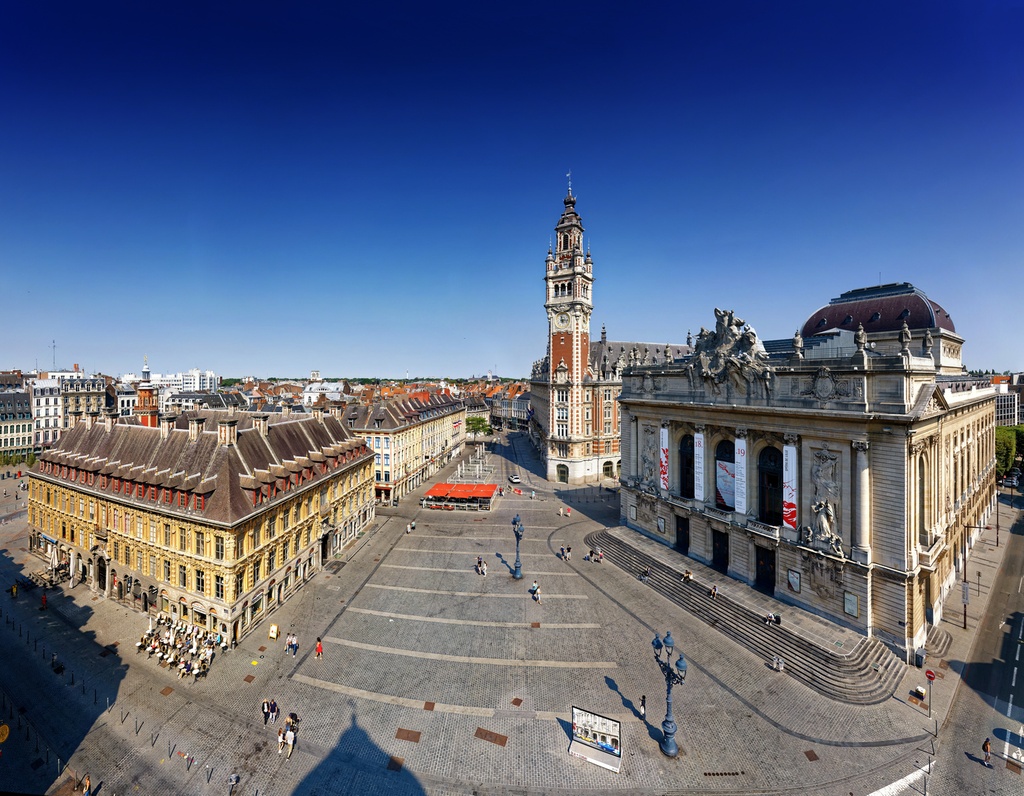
(686, 466)
(769, 486)
(725, 475)
(609, 470)
(562, 474)
(565, 241)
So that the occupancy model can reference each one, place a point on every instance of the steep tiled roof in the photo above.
(170, 458)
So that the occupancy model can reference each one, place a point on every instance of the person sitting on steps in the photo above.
(687, 576)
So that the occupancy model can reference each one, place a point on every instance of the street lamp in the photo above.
(518, 530)
(672, 677)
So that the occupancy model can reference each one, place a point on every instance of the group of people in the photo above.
(595, 555)
(481, 566)
(190, 648)
(286, 734)
(566, 553)
(291, 644)
(535, 591)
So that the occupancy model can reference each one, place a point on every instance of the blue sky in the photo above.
(370, 189)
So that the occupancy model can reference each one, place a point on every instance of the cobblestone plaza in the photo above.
(434, 679)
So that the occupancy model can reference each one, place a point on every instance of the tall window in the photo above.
(687, 472)
(769, 486)
(725, 475)
(182, 576)
(200, 581)
(200, 544)
(218, 548)
(218, 586)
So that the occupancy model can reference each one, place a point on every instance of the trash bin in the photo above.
(919, 657)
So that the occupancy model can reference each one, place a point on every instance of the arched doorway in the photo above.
(562, 474)
(101, 573)
(608, 470)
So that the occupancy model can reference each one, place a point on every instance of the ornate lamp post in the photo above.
(672, 677)
(518, 530)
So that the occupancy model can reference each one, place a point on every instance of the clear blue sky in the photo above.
(268, 188)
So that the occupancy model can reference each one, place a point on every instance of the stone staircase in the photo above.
(866, 674)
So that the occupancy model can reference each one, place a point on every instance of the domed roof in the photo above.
(879, 309)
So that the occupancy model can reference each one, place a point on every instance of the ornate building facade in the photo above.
(574, 389)
(214, 518)
(845, 471)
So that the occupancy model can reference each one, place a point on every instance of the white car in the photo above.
(514, 479)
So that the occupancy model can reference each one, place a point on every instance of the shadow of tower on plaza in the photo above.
(55, 681)
(357, 765)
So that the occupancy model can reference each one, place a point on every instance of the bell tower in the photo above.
(568, 281)
(147, 404)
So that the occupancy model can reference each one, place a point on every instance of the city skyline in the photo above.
(268, 191)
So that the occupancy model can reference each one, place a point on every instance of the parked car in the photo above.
(1010, 482)
(514, 479)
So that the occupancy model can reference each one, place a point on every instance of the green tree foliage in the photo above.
(1006, 447)
(478, 425)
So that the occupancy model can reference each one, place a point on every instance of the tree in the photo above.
(1006, 447)
(478, 425)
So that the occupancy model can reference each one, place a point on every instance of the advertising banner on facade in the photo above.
(596, 738)
(698, 467)
(741, 476)
(664, 457)
(725, 483)
(789, 481)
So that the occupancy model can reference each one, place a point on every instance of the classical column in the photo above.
(859, 541)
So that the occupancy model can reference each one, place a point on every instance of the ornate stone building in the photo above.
(215, 517)
(843, 471)
(574, 389)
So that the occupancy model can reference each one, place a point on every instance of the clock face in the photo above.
(561, 320)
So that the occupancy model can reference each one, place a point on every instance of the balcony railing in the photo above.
(763, 528)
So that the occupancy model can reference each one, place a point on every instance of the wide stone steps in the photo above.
(866, 674)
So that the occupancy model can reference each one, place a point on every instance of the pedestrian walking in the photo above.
(408, 528)
(568, 511)
(568, 553)
(643, 705)
(534, 587)
(536, 595)
(561, 552)
(483, 570)
(289, 738)
(560, 510)
(274, 710)
(479, 565)
(295, 645)
(266, 712)
(44, 601)
(987, 749)
(280, 740)
(319, 648)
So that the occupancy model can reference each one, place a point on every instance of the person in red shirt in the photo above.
(319, 648)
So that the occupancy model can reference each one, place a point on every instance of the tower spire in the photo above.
(569, 176)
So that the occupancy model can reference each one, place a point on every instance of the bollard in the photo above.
(108, 704)
(152, 739)
(209, 773)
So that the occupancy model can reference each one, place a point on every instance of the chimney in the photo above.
(231, 410)
(286, 410)
(90, 419)
(195, 427)
(262, 423)
(166, 424)
(108, 421)
(227, 432)
(318, 414)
